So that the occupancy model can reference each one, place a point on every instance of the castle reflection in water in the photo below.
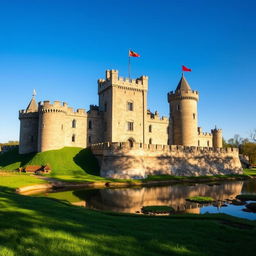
(131, 200)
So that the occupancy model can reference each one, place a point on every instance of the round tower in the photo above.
(183, 114)
(29, 128)
(216, 138)
(51, 126)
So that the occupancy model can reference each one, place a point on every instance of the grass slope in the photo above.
(68, 163)
(34, 226)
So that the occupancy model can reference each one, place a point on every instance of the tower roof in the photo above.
(183, 85)
(32, 106)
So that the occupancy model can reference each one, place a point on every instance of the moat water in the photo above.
(131, 200)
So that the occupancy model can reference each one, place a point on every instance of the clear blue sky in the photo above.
(62, 47)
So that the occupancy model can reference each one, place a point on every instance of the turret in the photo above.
(183, 114)
(51, 125)
(216, 138)
(29, 127)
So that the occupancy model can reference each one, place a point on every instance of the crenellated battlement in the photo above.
(112, 79)
(30, 115)
(217, 131)
(202, 134)
(118, 147)
(156, 117)
(179, 95)
(58, 107)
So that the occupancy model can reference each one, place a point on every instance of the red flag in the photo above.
(133, 54)
(186, 69)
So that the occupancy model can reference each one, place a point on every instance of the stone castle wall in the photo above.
(118, 160)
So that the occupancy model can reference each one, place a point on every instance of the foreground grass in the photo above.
(40, 226)
(16, 180)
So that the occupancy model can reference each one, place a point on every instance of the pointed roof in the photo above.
(32, 106)
(183, 85)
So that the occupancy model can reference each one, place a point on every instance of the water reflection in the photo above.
(131, 200)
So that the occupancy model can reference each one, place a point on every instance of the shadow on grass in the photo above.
(39, 226)
(87, 161)
(13, 157)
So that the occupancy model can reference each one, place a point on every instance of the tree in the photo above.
(253, 135)
(249, 149)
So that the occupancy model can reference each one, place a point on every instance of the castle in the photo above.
(121, 116)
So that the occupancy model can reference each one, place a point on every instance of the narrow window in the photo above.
(130, 106)
(73, 138)
(178, 107)
(130, 126)
(208, 143)
(150, 141)
(194, 116)
(199, 143)
(90, 139)
(74, 123)
(90, 124)
(62, 127)
(105, 107)
(150, 128)
(167, 130)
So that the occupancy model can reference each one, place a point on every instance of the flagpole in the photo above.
(129, 65)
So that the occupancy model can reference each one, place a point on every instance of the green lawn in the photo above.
(16, 180)
(68, 164)
(251, 172)
(37, 226)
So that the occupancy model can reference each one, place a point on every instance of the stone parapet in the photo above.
(119, 146)
(58, 106)
(112, 79)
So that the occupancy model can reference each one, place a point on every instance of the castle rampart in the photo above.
(119, 160)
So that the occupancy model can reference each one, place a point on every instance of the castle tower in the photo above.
(124, 104)
(216, 138)
(29, 128)
(183, 114)
(51, 133)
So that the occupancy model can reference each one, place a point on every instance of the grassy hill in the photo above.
(66, 163)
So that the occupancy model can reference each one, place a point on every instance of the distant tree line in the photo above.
(247, 146)
(10, 143)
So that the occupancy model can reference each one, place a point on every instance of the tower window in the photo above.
(90, 139)
(105, 107)
(178, 107)
(150, 141)
(130, 106)
(208, 143)
(194, 116)
(73, 138)
(62, 127)
(130, 126)
(74, 123)
(199, 143)
(90, 124)
(150, 128)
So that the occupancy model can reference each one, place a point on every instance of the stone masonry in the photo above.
(122, 115)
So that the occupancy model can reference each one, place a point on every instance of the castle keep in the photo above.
(122, 115)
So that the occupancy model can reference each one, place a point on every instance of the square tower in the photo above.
(124, 104)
